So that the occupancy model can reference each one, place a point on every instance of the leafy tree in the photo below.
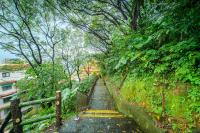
(100, 18)
(73, 52)
(165, 46)
(40, 86)
(32, 30)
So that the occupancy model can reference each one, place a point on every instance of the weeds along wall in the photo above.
(173, 114)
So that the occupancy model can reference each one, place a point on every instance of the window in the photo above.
(6, 87)
(5, 74)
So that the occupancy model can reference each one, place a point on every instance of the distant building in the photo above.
(8, 88)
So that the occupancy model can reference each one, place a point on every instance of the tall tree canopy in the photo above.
(30, 30)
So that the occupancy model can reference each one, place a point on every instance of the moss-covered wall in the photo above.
(146, 123)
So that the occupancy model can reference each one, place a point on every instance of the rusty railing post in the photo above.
(58, 109)
(16, 115)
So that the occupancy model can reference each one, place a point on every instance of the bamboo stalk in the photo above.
(33, 120)
(37, 101)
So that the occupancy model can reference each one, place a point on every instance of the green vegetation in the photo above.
(148, 49)
(53, 49)
(143, 92)
(161, 60)
(68, 103)
(131, 102)
(85, 85)
(35, 87)
(38, 86)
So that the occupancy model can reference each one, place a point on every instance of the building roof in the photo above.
(13, 67)
(7, 82)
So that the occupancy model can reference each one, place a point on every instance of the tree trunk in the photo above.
(53, 65)
(164, 115)
(163, 102)
(78, 75)
(135, 15)
(123, 80)
(70, 82)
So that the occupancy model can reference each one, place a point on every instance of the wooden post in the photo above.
(58, 109)
(16, 116)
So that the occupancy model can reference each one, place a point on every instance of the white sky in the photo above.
(4, 55)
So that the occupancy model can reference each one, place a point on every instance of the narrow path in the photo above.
(101, 98)
(101, 117)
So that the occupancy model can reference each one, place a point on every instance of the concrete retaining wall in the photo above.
(82, 101)
(146, 123)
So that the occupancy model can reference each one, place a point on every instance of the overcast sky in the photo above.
(5, 54)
